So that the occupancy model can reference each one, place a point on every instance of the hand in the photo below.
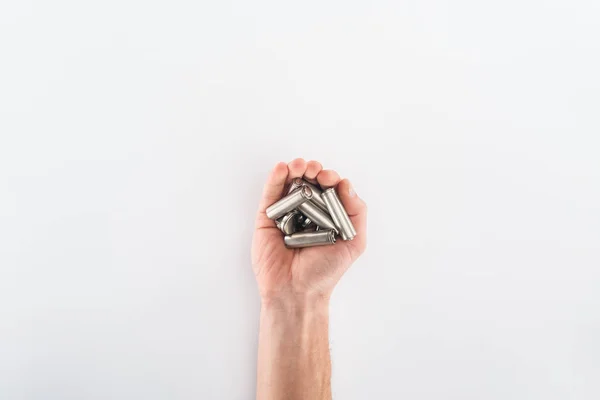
(308, 273)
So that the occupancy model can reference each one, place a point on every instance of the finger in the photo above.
(272, 192)
(328, 178)
(357, 210)
(296, 168)
(312, 170)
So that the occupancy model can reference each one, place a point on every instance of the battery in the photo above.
(309, 239)
(316, 215)
(296, 183)
(338, 214)
(290, 222)
(289, 202)
(317, 199)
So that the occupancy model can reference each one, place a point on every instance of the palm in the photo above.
(278, 268)
(313, 268)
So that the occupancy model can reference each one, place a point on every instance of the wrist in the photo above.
(296, 304)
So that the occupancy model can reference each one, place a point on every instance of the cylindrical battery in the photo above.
(289, 202)
(317, 199)
(298, 182)
(316, 215)
(290, 222)
(308, 239)
(338, 214)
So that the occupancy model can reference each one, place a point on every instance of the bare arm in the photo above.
(293, 352)
(295, 287)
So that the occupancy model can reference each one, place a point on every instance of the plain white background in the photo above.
(135, 137)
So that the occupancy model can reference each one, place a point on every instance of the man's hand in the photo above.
(295, 286)
(309, 273)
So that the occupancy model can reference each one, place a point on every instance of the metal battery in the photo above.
(309, 239)
(298, 182)
(317, 199)
(338, 214)
(290, 222)
(289, 202)
(316, 215)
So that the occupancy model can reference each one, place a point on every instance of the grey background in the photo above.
(135, 138)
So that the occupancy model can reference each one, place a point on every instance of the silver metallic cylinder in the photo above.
(309, 239)
(290, 222)
(316, 215)
(338, 214)
(289, 202)
(317, 199)
(298, 182)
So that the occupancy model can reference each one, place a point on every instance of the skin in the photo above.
(295, 286)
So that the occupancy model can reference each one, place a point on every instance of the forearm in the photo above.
(293, 351)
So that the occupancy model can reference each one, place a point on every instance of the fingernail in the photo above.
(351, 191)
